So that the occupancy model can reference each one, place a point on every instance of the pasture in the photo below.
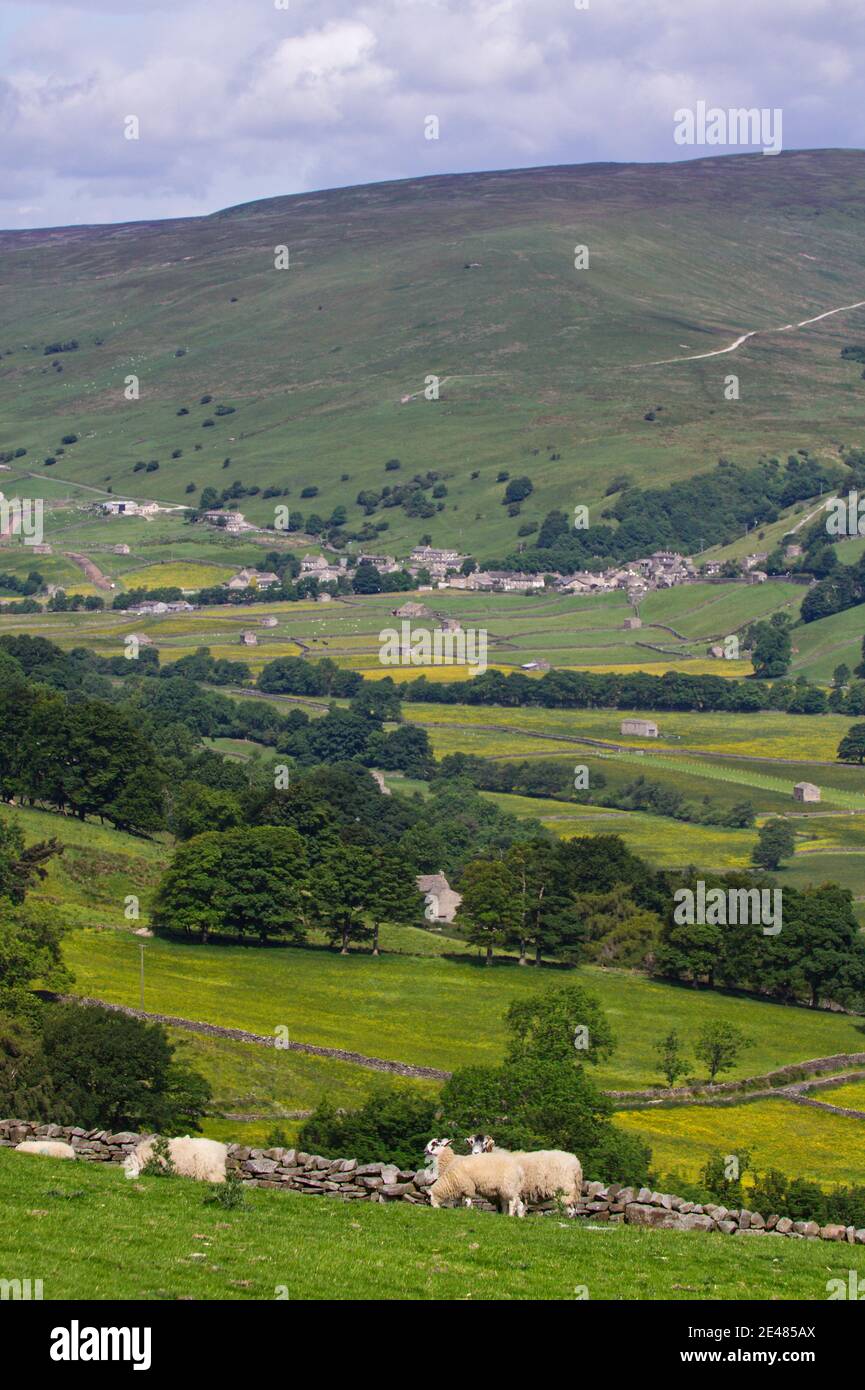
(157, 1238)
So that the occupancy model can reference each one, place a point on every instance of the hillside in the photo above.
(546, 371)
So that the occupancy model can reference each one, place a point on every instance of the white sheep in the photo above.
(50, 1148)
(496, 1177)
(192, 1158)
(548, 1173)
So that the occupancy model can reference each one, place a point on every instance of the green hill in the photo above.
(545, 370)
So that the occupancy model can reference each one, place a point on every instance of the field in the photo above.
(430, 1010)
(777, 1134)
(568, 631)
(159, 1239)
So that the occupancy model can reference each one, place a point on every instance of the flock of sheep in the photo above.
(509, 1180)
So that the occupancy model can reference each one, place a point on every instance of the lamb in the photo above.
(203, 1159)
(548, 1172)
(496, 1177)
(50, 1148)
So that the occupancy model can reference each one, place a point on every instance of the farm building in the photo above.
(451, 625)
(541, 665)
(806, 791)
(646, 728)
(269, 621)
(41, 549)
(249, 639)
(412, 610)
(630, 624)
(121, 549)
(440, 900)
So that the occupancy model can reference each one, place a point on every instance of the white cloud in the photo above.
(239, 100)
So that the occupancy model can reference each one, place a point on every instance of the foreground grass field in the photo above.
(89, 1234)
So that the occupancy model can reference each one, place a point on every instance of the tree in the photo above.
(671, 1059)
(566, 1025)
(392, 1126)
(20, 866)
(776, 840)
(851, 749)
(719, 1045)
(547, 920)
(771, 650)
(367, 579)
(30, 954)
(197, 809)
(841, 676)
(395, 896)
(111, 1071)
(489, 907)
(406, 750)
(246, 881)
(343, 888)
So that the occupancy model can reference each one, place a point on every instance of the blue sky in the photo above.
(244, 99)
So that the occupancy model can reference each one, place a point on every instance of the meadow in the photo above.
(797, 1140)
(159, 1239)
(440, 1011)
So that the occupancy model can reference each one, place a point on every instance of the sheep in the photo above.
(203, 1159)
(496, 1177)
(548, 1172)
(50, 1148)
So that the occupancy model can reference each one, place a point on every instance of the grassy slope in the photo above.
(157, 1239)
(535, 358)
(431, 1011)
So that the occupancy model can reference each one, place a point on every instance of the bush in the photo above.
(392, 1126)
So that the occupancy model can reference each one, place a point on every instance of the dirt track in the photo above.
(93, 573)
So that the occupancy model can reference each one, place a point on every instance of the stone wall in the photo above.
(292, 1169)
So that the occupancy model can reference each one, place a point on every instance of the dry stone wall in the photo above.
(294, 1170)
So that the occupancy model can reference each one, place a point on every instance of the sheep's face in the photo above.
(480, 1143)
(435, 1147)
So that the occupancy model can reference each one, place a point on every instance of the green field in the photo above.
(158, 1239)
(428, 1010)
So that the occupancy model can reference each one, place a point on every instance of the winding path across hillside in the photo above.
(743, 337)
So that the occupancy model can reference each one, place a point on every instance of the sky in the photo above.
(235, 100)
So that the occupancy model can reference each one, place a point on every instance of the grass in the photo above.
(801, 1142)
(429, 1010)
(264, 1083)
(90, 1234)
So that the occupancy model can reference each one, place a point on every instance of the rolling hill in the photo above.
(546, 371)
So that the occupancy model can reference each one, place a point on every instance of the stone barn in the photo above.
(806, 791)
(645, 728)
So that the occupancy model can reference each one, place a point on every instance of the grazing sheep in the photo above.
(548, 1172)
(192, 1158)
(496, 1177)
(51, 1148)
